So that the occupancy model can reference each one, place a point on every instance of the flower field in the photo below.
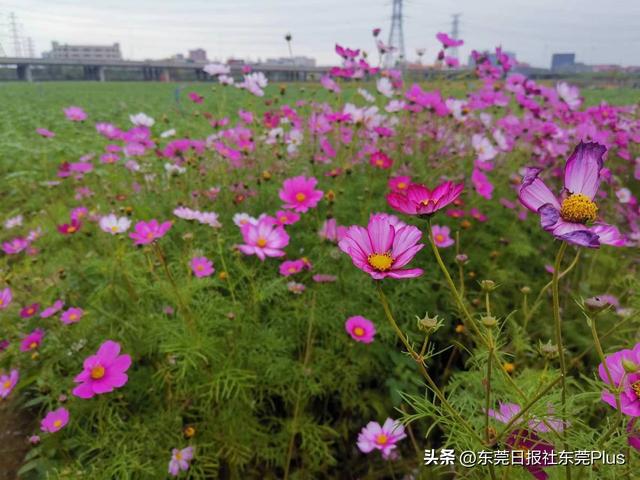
(336, 279)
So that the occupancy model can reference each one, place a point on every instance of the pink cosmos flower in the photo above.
(624, 367)
(291, 267)
(569, 217)
(195, 97)
(419, 200)
(45, 133)
(8, 383)
(330, 230)
(147, 232)
(296, 287)
(380, 160)
(72, 315)
(482, 184)
(103, 372)
(30, 310)
(55, 420)
(360, 329)
(447, 41)
(15, 246)
(202, 267)
(384, 247)
(287, 217)
(180, 460)
(441, 236)
(52, 310)
(399, 184)
(265, 238)
(384, 438)
(5, 298)
(298, 193)
(75, 114)
(32, 341)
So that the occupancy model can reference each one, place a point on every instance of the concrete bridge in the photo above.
(149, 70)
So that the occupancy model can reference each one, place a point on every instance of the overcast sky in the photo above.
(598, 31)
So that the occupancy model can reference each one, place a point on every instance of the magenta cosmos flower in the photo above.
(361, 329)
(32, 341)
(72, 315)
(384, 247)
(202, 267)
(30, 310)
(5, 298)
(265, 238)
(180, 460)
(624, 367)
(146, 232)
(383, 438)
(419, 200)
(55, 420)
(571, 216)
(103, 372)
(52, 310)
(8, 383)
(298, 193)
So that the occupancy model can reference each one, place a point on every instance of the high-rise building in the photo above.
(198, 55)
(563, 61)
(84, 52)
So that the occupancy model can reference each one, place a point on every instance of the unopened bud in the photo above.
(488, 285)
(526, 290)
(629, 366)
(461, 258)
(428, 324)
(489, 321)
(595, 304)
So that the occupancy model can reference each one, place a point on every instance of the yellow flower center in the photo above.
(33, 345)
(636, 388)
(439, 238)
(262, 242)
(71, 229)
(401, 186)
(178, 456)
(114, 228)
(200, 267)
(380, 162)
(73, 317)
(578, 208)
(292, 269)
(380, 261)
(30, 311)
(358, 331)
(57, 423)
(7, 384)
(283, 219)
(97, 372)
(1, 302)
(427, 201)
(301, 197)
(149, 235)
(381, 439)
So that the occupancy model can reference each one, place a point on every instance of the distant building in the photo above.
(84, 52)
(292, 61)
(198, 55)
(563, 61)
(493, 58)
(236, 62)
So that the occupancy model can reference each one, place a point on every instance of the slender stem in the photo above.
(183, 306)
(420, 363)
(224, 265)
(558, 328)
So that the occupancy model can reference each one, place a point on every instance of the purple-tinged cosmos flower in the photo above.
(441, 236)
(298, 193)
(265, 238)
(624, 367)
(147, 232)
(75, 114)
(8, 383)
(52, 310)
(569, 217)
(45, 133)
(291, 267)
(72, 315)
(361, 329)
(180, 460)
(70, 228)
(202, 267)
(30, 310)
(419, 200)
(103, 372)
(287, 217)
(384, 247)
(34, 439)
(5, 298)
(55, 420)
(447, 41)
(14, 246)
(296, 287)
(384, 438)
(32, 341)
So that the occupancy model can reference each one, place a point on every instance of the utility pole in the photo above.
(396, 53)
(31, 51)
(15, 36)
(455, 31)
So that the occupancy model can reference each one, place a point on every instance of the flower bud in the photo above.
(488, 285)
(462, 258)
(526, 290)
(629, 366)
(489, 321)
(595, 304)
(428, 324)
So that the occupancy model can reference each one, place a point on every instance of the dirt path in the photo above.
(15, 428)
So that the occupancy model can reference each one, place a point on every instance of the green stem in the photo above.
(558, 330)
(183, 306)
(420, 363)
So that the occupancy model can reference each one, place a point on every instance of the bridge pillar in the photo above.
(25, 73)
(101, 74)
(164, 74)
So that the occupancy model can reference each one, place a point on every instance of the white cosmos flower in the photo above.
(142, 120)
(114, 225)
